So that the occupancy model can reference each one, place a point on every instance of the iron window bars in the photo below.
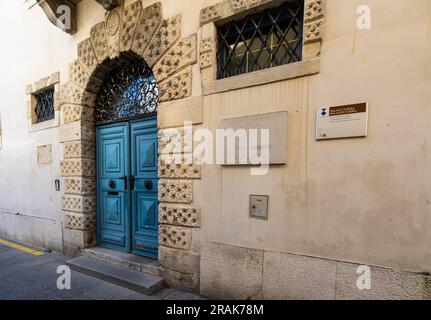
(45, 105)
(262, 40)
(129, 92)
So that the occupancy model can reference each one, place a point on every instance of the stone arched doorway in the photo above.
(126, 34)
(125, 116)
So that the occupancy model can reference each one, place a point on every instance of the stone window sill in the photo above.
(285, 72)
(35, 127)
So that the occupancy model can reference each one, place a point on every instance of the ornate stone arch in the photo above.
(127, 32)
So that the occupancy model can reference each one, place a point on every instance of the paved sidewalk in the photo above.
(24, 276)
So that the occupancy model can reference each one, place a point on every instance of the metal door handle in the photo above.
(125, 182)
(132, 183)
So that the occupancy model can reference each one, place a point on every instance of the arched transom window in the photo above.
(129, 92)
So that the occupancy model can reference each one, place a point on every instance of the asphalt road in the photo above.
(24, 276)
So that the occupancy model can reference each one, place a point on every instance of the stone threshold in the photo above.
(125, 260)
(128, 278)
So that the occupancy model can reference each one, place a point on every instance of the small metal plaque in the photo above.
(259, 207)
(348, 121)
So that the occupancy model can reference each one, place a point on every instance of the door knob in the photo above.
(148, 184)
(112, 184)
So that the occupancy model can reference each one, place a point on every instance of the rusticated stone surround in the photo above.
(130, 32)
(31, 89)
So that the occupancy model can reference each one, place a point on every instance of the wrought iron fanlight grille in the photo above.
(129, 92)
(44, 105)
(262, 40)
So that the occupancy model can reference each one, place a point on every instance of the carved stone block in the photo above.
(87, 56)
(130, 20)
(179, 215)
(74, 94)
(73, 112)
(206, 60)
(239, 5)
(174, 141)
(181, 55)
(112, 25)
(175, 237)
(182, 170)
(80, 186)
(206, 45)
(176, 191)
(210, 14)
(78, 74)
(313, 31)
(79, 149)
(79, 203)
(167, 34)
(78, 168)
(177, 87)
(314, 9)
(149, 21)
(80, 221)
(98, 39)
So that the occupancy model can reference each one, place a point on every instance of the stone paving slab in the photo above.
(27, 277)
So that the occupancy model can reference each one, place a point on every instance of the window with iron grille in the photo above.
(44, 105)
(263, 40)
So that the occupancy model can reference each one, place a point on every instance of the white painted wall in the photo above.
(33, 49)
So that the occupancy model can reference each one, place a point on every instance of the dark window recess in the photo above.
(259, 41)
(129, 92)
(45, 105)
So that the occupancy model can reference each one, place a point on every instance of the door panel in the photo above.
(127, 187)
(144, 162)
(113, 198)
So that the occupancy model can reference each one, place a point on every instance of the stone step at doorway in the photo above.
(125, 260)
(141, 282)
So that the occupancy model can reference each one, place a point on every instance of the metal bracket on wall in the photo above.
(61, 13)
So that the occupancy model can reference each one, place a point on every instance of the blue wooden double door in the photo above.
(127, 184)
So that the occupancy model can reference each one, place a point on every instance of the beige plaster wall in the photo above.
(359, 200)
